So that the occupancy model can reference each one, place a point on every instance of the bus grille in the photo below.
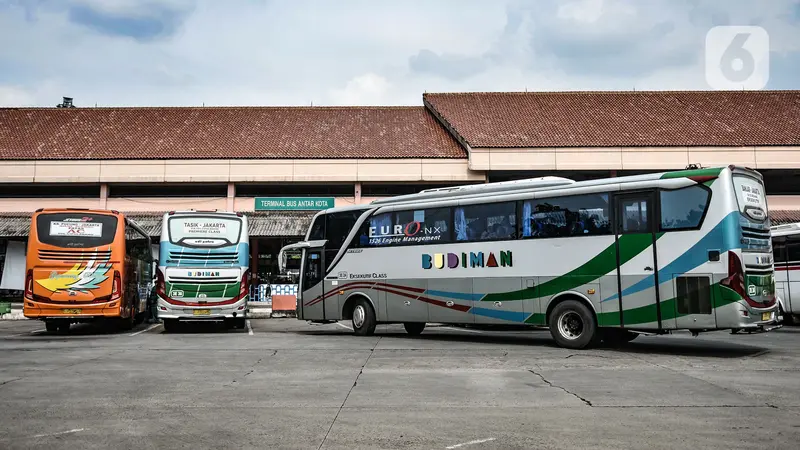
(189, 257)
(756, 238)
(75, 255)
(204, 280)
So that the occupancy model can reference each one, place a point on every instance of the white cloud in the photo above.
(367, 89)
(361, 51)
(15, 96)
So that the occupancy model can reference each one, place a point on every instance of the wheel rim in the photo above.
(570, 325)
(358, 316)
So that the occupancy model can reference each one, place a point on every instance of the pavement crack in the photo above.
(252, 369)
(587, 402)
(355, 382)
(10, 381)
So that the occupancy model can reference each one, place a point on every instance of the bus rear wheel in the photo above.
(51, 326)
(414, 328)
(364, 320)
(572, 325)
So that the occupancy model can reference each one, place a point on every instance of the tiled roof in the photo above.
(223, 132)
(780, 217)
(261, 223)
(610, 119)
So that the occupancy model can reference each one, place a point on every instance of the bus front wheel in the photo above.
(364, 321)
(170, 325)
(572, 325)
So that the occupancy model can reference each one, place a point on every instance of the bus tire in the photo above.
(414, 328)
(364, 321)
(616, 337)
(572, 325)
(170, 325)
(51, 326)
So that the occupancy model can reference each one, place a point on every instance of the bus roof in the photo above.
(541, 184)
(107, 212)
(785, 229)
(200, 211)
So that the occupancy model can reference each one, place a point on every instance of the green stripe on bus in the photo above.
(210, 290)
(669, 310)
(604, 263)
(711, 172)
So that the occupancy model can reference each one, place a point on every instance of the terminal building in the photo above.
(280, 165)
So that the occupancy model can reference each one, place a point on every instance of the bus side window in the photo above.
(793, 249)
(579, 215)
(779, 249)
(486, 222)
(683, 208)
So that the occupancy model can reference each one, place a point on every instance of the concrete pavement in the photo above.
(294, 385)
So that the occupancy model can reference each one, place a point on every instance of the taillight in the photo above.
(244, 286)
(161, 288)
(735, 281)
(29, 284)
(116, 287)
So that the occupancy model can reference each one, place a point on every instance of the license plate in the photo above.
(202, 312)
(71, 311)
(766, 316)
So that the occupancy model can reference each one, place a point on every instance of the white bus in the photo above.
(786, 249)
(203, 268)
(600, 260)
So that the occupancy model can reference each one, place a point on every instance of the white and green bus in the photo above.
(203, 268)
(601, 260)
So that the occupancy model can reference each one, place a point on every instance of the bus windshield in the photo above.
(76, 230)
(750, 196)
(205, 231)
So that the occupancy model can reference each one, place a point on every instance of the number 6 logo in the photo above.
(737, 57)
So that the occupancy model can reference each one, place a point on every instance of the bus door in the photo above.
(312, 304)
(637, 260)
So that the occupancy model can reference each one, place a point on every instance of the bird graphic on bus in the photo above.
(77, 278)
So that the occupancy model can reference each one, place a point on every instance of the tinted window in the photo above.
(633, 216)
(76, 230)
(683, 208)
(317, 229)
(793, 250)
(338, 226)
(779, 249)
(579, 215)
(486, 222)
(422, 226)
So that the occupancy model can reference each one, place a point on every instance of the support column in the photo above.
(103, 195)
(254, 258)
(357, 193)
(231, 196)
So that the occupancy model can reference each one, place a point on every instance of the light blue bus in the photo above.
(203, 268)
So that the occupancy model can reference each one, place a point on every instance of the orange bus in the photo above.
(86, 265)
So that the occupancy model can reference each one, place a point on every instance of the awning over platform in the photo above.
(262, 223)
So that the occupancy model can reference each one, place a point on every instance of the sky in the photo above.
(367, 52)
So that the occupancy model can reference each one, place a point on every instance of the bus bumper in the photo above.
(757, 320)
(77, 312)
(167, 311)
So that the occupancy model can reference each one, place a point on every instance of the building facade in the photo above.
(264, 160)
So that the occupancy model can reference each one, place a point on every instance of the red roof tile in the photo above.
(234, 132)
(605, 119)
(782, 216)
